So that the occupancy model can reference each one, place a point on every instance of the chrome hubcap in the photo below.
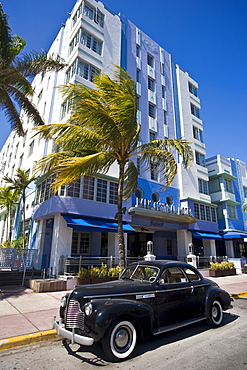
(121, 338)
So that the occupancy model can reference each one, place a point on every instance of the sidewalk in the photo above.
(26, 317)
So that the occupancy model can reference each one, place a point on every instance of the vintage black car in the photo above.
(150, 297)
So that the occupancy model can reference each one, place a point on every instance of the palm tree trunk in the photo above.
(121, 246)
(23, 216)
(8, 224)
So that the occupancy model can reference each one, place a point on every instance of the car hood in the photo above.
(111, 289)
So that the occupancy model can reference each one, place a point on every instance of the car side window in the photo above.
(173, 275)
(192, 275)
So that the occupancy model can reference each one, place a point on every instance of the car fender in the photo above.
(106, 311)
(216, 293)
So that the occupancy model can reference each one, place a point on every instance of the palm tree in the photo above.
(8, 201)
(20, 184)
(15, 88)
(102, 130)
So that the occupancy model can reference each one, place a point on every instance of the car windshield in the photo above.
(139, 272)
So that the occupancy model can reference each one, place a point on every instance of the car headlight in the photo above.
(63, 301)
(88, 308)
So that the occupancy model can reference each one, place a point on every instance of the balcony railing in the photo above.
(11, 258)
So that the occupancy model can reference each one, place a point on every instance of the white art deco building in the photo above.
(79, 220)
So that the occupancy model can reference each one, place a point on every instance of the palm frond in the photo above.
(131, 180)
(33, 62)
(5, 35)
(69, 170)
(11, 113)
(23, 101)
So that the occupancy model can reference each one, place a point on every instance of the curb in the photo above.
(24, 340)
(238, 295)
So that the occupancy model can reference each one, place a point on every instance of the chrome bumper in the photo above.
(71, 335)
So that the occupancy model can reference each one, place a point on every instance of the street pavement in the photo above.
(26, 316)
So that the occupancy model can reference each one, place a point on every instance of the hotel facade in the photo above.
(80, 219)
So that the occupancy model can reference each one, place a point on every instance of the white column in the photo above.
(209, 247)
(39, 243)
(184, 237)
(61, 242)
(229, 248)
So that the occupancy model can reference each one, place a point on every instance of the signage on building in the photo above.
(162, 207)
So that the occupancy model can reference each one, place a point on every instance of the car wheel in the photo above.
(120, 340)
(216, 314)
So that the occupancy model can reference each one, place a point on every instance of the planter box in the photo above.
(41, 286)
(215, 273)
(95, 280)
(83, 281)
(228, 272)
(218, 273)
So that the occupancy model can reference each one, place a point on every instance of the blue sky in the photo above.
(207, 38)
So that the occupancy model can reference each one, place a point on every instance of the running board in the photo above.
(164, 329)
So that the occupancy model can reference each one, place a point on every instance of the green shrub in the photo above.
(222, 266)
(82, 273)
(114, 271)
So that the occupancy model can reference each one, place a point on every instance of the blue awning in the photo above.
(234, 235)
(94, 224)
(203, 235)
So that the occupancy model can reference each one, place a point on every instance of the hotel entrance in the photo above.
(137, 244)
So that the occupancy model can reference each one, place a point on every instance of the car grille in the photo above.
(74, 317)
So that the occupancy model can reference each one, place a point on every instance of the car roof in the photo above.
(161, 263)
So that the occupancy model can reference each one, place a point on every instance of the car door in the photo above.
(198, 291)
(174, 297)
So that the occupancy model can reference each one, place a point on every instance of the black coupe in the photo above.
(149, 298)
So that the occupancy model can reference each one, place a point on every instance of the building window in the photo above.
(203, 186)
(245, 191)
(65, 107)
(169, 247)
(150, 60)
(151, 84)
(138, 165)
(138, 75)
(77, 15)
(152, 136)
(94, 14)
(86, 70)
(163, 92)
(113, 195)
(31, 146)
(193, 90)
(213, 214)
(91, 42)
(162, 68)
(101, 191)
(44, 190)
(154, 173)
(231, 210)
(138, 102)
(197, 134)
(200, 159)
(88, 188)
(204, 212)
(81, 241)
(214, 185)
(73, 190)
(228, 185)
(20, 161)
(138, 50)
(164, 115)
(194, 110)
(151, 110)
(40, 96)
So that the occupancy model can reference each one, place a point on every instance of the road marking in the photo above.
(24, 340)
